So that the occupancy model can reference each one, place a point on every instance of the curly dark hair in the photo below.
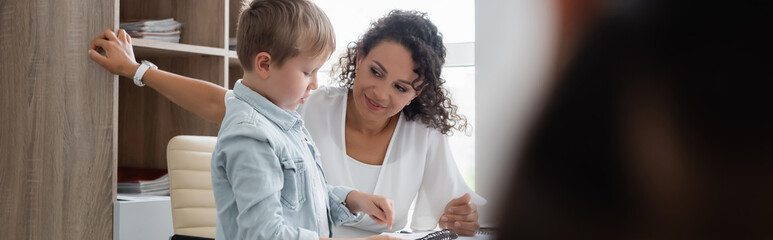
(414, 31)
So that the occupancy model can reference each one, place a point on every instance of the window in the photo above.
(456, 20)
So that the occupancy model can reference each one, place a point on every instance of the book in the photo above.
(166, 30)
(232, 44)
(149, 25)
(174, 39)
(143, 181)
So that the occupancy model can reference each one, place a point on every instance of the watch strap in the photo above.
(139, 73)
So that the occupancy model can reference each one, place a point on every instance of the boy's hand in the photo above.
(119, 55)
(379, 208)
(461, 216)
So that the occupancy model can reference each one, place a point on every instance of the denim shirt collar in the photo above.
(286, 120)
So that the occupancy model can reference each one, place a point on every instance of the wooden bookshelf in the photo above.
(146, 119)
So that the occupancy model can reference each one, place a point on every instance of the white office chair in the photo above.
(190, 186)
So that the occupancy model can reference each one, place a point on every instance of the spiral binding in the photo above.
(445, 234)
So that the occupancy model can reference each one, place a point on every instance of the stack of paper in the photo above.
(232, 44)
(166, 30)
(143, 181)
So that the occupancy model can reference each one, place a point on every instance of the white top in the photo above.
(418, 161)
(366, 174)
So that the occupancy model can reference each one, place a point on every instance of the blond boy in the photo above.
(266, 174)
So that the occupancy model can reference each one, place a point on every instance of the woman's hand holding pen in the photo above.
(119, 55)
(461, 216)
(379, 208)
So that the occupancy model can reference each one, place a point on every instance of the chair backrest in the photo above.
(190, 185)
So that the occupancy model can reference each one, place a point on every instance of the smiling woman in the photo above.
(390, 118)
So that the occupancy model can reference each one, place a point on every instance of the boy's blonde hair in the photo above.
(284, 29)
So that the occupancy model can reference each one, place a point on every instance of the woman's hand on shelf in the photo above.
(118, 55)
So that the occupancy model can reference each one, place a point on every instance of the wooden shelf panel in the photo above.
(143, 47)
(234, 7)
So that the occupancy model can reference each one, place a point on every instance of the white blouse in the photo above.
(366, 174)
(418, 165)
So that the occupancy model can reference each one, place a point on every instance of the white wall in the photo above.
(513, 53)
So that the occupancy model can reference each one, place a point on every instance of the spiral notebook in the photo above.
(483, 234)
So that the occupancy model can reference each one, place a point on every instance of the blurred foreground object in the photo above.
(658, 128)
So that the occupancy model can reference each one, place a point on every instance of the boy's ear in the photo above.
(262, 64)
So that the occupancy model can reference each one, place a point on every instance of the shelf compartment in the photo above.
(147, 120)
(203, 22)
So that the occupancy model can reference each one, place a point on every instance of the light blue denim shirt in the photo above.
(262, 187)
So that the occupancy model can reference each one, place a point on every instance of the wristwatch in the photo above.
(144, 65)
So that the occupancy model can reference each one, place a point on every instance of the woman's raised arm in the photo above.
(203, 98)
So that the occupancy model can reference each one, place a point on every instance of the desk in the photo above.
(142, 218)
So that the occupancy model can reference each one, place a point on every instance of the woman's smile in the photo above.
(373, 105)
